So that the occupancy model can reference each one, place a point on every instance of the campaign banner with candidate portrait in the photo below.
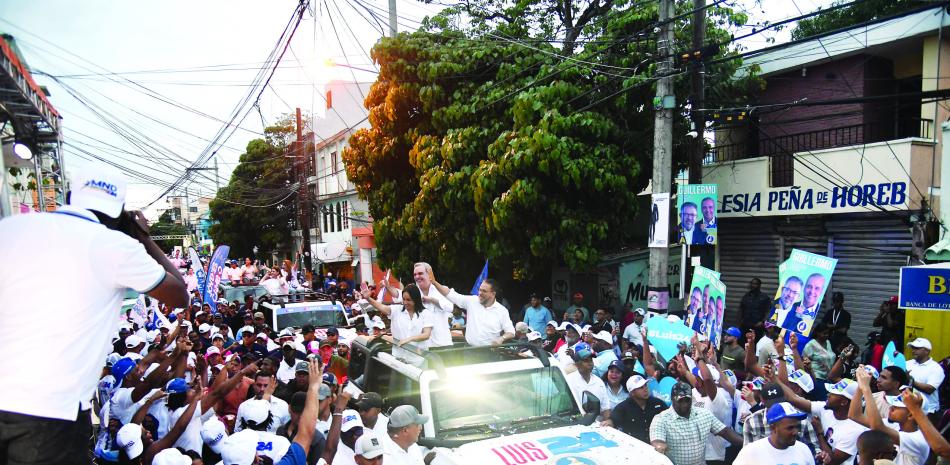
(209, 294)
(803, 280)
(696, 208)
(705, 306)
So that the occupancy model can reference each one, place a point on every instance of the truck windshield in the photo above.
(500, 398)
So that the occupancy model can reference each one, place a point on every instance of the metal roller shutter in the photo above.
(870, 251)
(748, 248)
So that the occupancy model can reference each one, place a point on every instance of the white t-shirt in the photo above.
(286, 372)
(913, 449)
(840, 434)
(930, 373)
(485, 324)
(765, 349)
(344, 455)
(721, 408)
(233, 274)
(596, 387)
(395, 455)
(441, 336)
(633, 335)
(278, 408)
(762, 452)
(190, 439)
(83, 309)
(121, 406)
(404, 326)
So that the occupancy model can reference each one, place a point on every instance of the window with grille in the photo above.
(334, 162)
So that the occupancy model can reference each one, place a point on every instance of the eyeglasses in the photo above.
(791, 291)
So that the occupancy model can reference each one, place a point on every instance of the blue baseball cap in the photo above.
(176, 386)
(122, 367)
(616, 364)
(582, 350)
(329, 378)
(733, 331)
(783, 410)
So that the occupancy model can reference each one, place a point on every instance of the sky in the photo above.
(168, 74)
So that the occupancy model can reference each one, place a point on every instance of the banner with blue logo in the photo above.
(209, 293)
(196, 265)
(924, 288)
(666, 333)
(803, 280)
(696, 204)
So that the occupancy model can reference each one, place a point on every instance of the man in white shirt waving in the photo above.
(488, 321)
(108, 250)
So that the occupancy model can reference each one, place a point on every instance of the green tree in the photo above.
(166, 226)
(256, 208)
(849, 16)
(484, 145)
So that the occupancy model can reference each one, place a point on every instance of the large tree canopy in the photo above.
(490, 143)
(256, 207)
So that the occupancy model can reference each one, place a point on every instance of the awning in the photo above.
(939, 252)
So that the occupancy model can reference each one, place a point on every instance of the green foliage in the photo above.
(844, 17)
(480, 147)
(254, 208)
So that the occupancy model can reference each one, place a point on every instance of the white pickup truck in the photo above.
(505, 405)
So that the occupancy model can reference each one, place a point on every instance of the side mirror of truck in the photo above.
(591, 405)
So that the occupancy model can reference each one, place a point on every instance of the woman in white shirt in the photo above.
(410, 323)
(615, 380)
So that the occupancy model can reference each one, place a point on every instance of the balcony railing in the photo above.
(784, 145)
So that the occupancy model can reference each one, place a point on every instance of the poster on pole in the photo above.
(696, 204)
(803, 280)
(659, 234)
(209, 293)
(706, 307)
(197, 266)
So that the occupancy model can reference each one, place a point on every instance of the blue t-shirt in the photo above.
(294, 456)
(537, 318)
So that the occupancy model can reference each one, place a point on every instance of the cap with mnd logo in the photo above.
(99, 188)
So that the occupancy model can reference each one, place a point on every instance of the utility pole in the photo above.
(392, 18)
(303, 202)
(658, 292)
(217, 180)
(697, 145)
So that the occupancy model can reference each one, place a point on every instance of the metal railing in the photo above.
(841, 136)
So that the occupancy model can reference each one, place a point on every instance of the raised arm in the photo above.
(649, 364)
(874, 419)
(854, 409)
(935, 440)
(336, 422)
(792, 398)
(780, 350)
(139, 416)
(751, 364)
(308, 418)
(177, 429)
(221, 389)
(379, 306)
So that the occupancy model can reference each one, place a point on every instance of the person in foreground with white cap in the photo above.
(264, 411)
(108, 251)
(927, 375)
(912, 446)
(136, 445)
(633, 415)
(840, 432)
(369, 450)
(781, 446)
(351, 428)
(404, 428)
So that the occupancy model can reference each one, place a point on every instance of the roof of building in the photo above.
(841, 43)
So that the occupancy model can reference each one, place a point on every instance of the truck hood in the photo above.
(569, 445)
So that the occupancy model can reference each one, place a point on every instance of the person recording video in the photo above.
(100, 250)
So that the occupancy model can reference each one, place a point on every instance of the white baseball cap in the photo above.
(635, 382)
(256, 410)
(212, 350)
(351, 419)
(171, 457)
(204, 328)
(240, 448)
(534, 336)
(129, 438)
(604, 336)
(133, 341)
(368, 446)
(100, 188)
(920, 343)
(213, 434)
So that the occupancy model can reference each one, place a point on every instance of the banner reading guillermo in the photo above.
(706, 304)
(803, 280)
(697, 214)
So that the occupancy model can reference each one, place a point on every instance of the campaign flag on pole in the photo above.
(803, 280)
(209, 291)
(706, 305)
(196, 265)
(481, 277)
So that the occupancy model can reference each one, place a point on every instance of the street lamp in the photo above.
(21, 150)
